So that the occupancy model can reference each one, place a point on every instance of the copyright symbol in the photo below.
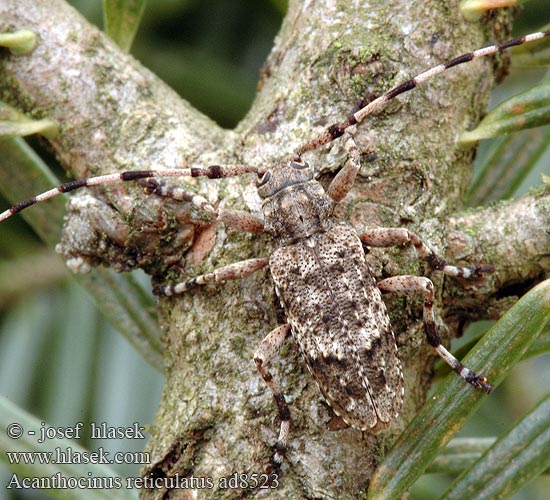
(14, 431)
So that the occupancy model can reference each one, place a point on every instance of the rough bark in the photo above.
(216, 415)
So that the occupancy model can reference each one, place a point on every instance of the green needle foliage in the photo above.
(121, 20)
(454, 401)
(526, 110)
(515, 459)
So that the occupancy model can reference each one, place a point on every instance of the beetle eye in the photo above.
(264, 179)
(299, 164)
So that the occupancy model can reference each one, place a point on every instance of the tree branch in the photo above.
(216, 415)
(515, 235)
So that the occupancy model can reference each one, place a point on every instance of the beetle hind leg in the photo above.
(415, 285)
(267, 350)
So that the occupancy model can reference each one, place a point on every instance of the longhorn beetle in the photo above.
(332, 302)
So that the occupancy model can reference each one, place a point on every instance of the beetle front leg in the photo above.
(345, 178)
(415, 285)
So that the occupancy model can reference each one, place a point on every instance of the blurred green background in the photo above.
(62, 361)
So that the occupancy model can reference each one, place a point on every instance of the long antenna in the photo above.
(212, 172)
(329, 134)
(336, 130)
